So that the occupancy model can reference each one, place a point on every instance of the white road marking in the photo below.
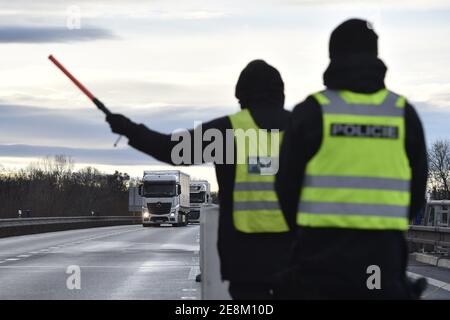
(195, 270)
(98, 267)
(436, 283)
(162, 263)
(97, 243)
(48, 250)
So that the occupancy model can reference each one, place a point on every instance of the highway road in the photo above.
(438, 280)
(123, 262)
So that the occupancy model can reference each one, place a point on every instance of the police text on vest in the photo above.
(364, 131)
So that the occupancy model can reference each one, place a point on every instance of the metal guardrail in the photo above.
(437, 236)
(65, 220)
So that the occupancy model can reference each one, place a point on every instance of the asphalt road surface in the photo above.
(124, 262)
(438, 280)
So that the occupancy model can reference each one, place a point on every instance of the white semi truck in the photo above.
(200, 195)
(165, 198)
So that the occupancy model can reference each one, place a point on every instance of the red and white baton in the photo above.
(91, 97)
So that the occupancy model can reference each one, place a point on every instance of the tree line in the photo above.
(439, 170)
(50, 187)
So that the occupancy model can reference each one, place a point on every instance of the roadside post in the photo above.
(213, 288)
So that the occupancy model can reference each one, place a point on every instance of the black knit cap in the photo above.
(353, 37)
(259, 83)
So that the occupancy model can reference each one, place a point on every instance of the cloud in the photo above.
(435, 121)
(35, 125)
(122, 156)
(35, 34)
(86, 127)
(33, 132)
(384, 3)
(432, 96)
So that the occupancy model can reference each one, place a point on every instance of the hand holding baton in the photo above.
(91, 97)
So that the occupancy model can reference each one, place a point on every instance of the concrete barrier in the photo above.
(432, 260)
(213, 288)
(23, 226)
(444, 263)
(426, 258)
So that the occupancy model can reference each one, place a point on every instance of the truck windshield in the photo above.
(152, 189)
(198, 197)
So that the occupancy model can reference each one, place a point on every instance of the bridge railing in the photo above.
(429, 235)
(22, 226)
(39, 220)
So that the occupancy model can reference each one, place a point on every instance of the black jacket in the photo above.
(328, 259)
(244, 257)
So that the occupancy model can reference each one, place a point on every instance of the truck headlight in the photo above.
(146, 215)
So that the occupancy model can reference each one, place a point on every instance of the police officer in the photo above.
(253, 234)
(352, 175)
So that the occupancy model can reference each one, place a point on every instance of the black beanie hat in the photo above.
(353, 37)
(259, 82)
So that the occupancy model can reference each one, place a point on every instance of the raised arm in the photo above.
(156, 144)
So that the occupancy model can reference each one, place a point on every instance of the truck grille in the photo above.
(159, 219)
(159, 208)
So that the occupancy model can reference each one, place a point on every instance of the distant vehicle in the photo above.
(200, 195)
(165, 198)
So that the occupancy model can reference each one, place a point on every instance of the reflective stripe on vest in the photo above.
(360, 177)
(255, 203)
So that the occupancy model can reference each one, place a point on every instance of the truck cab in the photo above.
(165, 198)
(200, 195)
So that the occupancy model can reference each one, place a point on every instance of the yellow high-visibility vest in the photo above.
(255, 203)
(360, 177)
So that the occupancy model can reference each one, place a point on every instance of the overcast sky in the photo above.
(168, 63)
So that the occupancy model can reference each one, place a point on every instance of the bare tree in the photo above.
(439, 165)
(59, 165)
(50, 187)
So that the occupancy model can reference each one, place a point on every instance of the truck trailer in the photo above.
(200, 195)
(165, 198)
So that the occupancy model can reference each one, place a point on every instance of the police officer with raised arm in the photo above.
(253, 235)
